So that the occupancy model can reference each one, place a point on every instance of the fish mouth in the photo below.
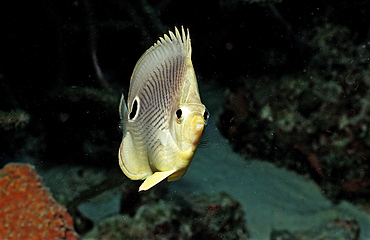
(198, 124)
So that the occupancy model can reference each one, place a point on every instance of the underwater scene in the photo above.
(160, 119)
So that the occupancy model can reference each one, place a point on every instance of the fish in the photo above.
(164, 118)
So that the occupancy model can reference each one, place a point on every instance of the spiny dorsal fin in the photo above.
(182, 40)
(174, 48)
(166, 46)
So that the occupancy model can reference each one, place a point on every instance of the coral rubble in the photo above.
(27, 209)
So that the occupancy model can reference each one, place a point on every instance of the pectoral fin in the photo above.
(154, 179)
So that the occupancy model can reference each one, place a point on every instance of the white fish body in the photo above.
(164, 118)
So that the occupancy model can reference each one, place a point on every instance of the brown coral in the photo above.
(27, 209)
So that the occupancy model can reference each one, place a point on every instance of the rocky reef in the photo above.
(315, 121)
(190, 217)
(106, 205)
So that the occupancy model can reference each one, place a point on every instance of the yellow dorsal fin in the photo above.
(154, 179)
(168, 46)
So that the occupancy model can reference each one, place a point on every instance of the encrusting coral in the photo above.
(27, 209)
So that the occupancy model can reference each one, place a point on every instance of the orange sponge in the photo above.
(27, 209)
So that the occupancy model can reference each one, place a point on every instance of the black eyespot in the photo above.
(206, 115)
(134, 110)
(179, 114)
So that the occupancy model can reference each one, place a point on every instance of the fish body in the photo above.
(164, 117)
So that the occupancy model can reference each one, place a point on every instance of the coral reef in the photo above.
(316, 121)
(88, 193)
(191, 217)
(27, 209)
(337, 229)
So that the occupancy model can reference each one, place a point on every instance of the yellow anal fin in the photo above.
(154, 179)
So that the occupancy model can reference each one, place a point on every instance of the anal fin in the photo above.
(154, 179)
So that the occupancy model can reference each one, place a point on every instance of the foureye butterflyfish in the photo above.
(164, 117)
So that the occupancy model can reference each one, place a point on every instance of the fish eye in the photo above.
(206, 115)
(179, 114)
(134, 109)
